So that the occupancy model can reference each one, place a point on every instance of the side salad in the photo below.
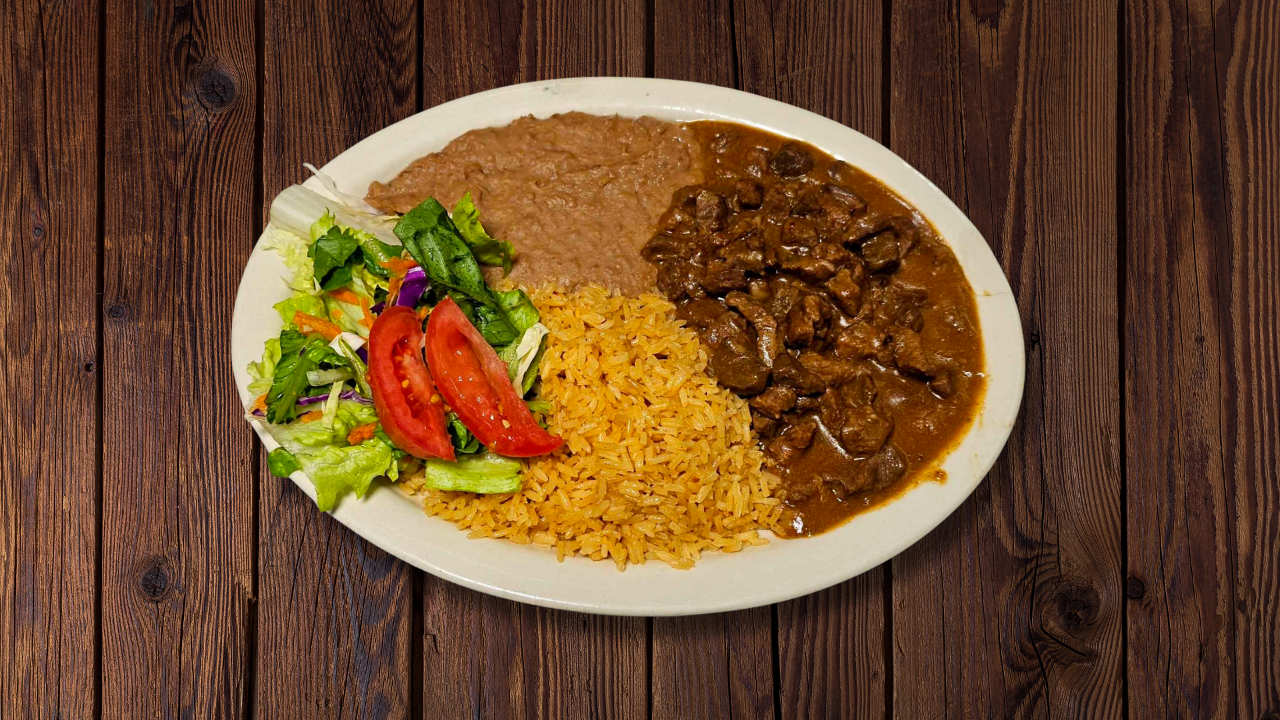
(396, 356)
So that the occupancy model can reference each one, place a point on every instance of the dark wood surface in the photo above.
(1121, 560)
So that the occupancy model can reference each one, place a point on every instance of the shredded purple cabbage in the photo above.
(346, 395)
(415, 283)
(363, 352)
(378, 308)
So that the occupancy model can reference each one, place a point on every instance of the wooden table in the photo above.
(1120, 560)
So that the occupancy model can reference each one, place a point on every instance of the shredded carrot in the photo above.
(362, 433)
(260, 403)
(368, 316)
(399, 266)
(345, 296)
(393, 287)
(312, 324)
(423, 312)
(311, 416)
(336, 313)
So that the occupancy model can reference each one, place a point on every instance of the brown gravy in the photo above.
(831, 304)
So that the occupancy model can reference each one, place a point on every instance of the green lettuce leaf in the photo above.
(335, 467)
(309, 304)
(463, 440)
(483, 473)
(432, 239)
(298, 356)
(486, 250)
(282, 463)
(264, 370)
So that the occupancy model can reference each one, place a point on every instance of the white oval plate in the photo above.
(781, 570)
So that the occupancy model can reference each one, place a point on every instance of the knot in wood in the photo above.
(1134, 588)
(118, 311)
(1270, 715)
(38, 231)
(215, 89)
(1077, 607)
(153, 579)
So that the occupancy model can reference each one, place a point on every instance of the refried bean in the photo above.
(577, 195)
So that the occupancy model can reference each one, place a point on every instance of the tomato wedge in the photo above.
(474, 381)
(403, 392)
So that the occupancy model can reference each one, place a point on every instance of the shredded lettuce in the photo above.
(482, 473)
(263, 371)
(523, 357)
(293, 250)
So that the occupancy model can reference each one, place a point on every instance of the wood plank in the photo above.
(1180, 545)
(49, 176)
(483, 656)
(1248, 305)
(177, 502)
(714, 666)
(335, 613)
(1013, 607)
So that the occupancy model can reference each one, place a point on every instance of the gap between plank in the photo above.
(100, 348)
(1122, 295)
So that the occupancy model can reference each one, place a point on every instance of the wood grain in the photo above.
(483, 656)
(49, 177)
(1013, 607)
(714, 666)
(1180, 545)
(1248, 305)
(335, 615)
(177, 501)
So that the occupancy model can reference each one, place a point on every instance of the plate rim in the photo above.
(997, 303)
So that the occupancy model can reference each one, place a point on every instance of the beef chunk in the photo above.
(909, 355)
(881, 252)
(865, 430)
(832, 371)
(749, 194)
(774, 401)
(833, 252)
(859, 391)
(788, 371)
(700, 313)
(831, 409)
(791, 442)
(847, 292)
(737, 367)
(678, 280)
(888, 466)
(677, 221)
(798, 329)
(763, 425)
(791, 161)
(710, 210)
(727, 326)
(786, 295)
(943, 383)
(812, 269)
(722, 281)
(766, 325)
(799, 232)
(665, 247)
(741, 255)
